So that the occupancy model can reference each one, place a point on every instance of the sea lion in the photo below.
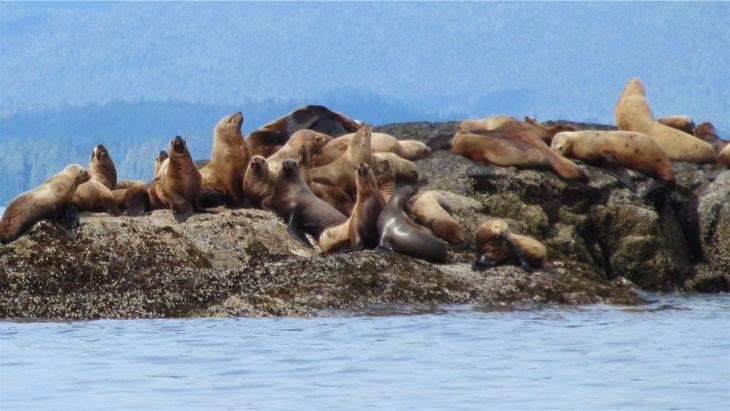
(630, 149)
(682, 123)
(222, 177)
(633, 113)
(177, 185)
(404, 170)
(707, 133)
(258, 184)
(95, 195)
(361, 229)
(332, 195)
(270, 137)
(398, 233)
(385, 177)
(305, 213)
(486, 123)
(545, 133)
(315, 141)
(514, 147)
(341, 172)
(50, 200)
(379, 143)
(430, 209)
(414, 150)
(496, 244)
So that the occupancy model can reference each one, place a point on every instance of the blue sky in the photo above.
(550, 60)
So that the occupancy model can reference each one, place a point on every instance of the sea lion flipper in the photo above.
(295, 229)
(136, 201)
(517, 252)
(481, 263)
(181, 209)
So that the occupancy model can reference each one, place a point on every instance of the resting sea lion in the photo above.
(304, 212)
(707, 133)
(630, 149)
(50, 200)
(495, 244)
(633, 113)
(361, 229)
(398, 233)
(429, 209)
(332, 195)
(341, 172)
(315, 141)
(95, 195)
(414, 150)
(269, 138)
(544, 132)
(177, 185)
(379, 143)
(486, 123)
(222, 176)
(258, 184)
(682, 123)
(404, 170)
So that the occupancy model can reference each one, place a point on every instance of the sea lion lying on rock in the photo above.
(496, 244)
(341, 172)
(379, 143)
(429, 209)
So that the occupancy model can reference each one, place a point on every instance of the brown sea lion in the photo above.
(332, 195)
(682, 123)
(96, 194)
(222, 177)
(630, 149)
(315, 141)
(496, 244)
(49, 201)
(514, 147)
(633, 113)
(405, 171)
(270, 137)
(361, 229)
(430, 210)
(385, 177)
(707, 133)
(258, 184)
(341, 172)
(177, 185)
(398, 233)
(304, 212)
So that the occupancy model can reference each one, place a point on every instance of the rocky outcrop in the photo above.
(604, 241)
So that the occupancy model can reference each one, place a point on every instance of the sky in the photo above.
(442, 60)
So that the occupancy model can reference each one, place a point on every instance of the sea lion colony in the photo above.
(332, 178)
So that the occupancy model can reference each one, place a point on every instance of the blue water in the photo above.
(671, 354)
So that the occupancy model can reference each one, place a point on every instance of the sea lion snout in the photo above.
(178, 144)
(290, 167)
(100, 152)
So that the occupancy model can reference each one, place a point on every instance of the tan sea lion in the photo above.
(96, 194)
(258, 184)
(707, 133)
(682, 123)
(305, 213)
(385, 177)
(496, 244)
(398, 233)
(270, 137)
(514, 147)
(430, 210)
(633, 113)
(332, 195)
(630, 149)
(379, 143)
(723, 158)
(414, 150)
(361, 229)
(49, 201)
(341, 172)
(315, 141)
(177, 185)
(486, 123)
(222, 176)
(405, 171)
(545, 133)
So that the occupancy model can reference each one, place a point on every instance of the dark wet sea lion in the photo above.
(398, 233)
(361, 229)
(496, 244)
(49, 201)
(222, 176)
(304, 212)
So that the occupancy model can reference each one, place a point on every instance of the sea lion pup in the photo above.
(682, 123)
(332, 195)
(270, 137)
(341, 172)
(385, 177)
(496, 244)
(258, 184)
(707, 133)
(177, 184)
(514, 147)
(429, 208)
(629, 149)
(633, 113)
(315, 141)
(398, 233)
(404, 170)
(50, 200)
(95, 195)
(222, 177)
(304, 212)
(486, 123)
(361, 229)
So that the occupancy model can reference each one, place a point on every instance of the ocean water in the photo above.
(673, 354)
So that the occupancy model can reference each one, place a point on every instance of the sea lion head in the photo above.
(78, 173)
(405, 193)
(259, 165)
(705, 129)
(100, 153)
(290, 169)
(178, 145)
(362, 138)
(562, 143)
(365, 179)
(230, 125)
(635, 86)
